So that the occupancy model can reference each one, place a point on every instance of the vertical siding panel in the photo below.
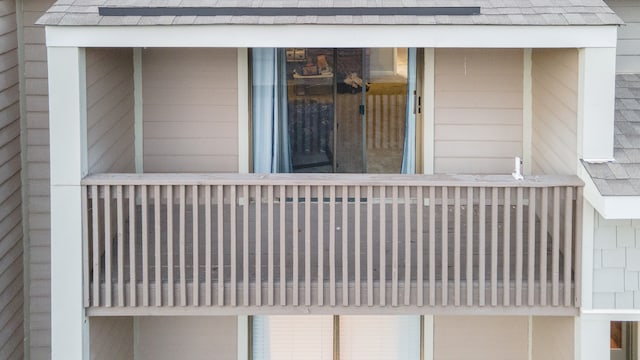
(270, 247)
(307, 245)
(296, 252)
(567, 256)
(394, 246)
(107, 246)
(469, 246)
(456, 245)
(158, 255)
(407, 246)
(220, 198)
(370, 245)
(332, 245)
(195, 210)
(519, 245)
(544, 207)
(208, 268)
(120, 217)
(95, 200)
(245, 245)
(145, 246)
(321, 245)
(356, 250)
(432, 246)
(555, 255)
(420, 246)
(170, 281)
(133, 289)
(531, 241)
(445, 246)
(283, 252)
(183, 265)
(482, 247)
(494, 246)
(383, 247)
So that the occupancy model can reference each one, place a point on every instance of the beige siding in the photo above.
(110, 134)
(628, 35)
(111, 338)
(477, 337)
(552, 338)
(190, 110)
(37, 178)
(166, 338)
(11, 275)
(478, 110)
(554, 100)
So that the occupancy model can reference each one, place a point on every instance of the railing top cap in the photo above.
(332, 180)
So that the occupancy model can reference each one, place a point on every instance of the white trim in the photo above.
(596, 102)
(591, 338)
(427, 339)
(138, 116)
(306, 35)
(243, 337)
(243, 111)
(67, 114)
(609, 207)
(612, 315)
(428, 111)
(527, 112)
(588, 216)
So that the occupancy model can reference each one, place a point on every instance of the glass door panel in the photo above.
(350, 87)
(347, 109)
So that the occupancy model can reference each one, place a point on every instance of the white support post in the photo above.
(244, 124)
(591, 338)
(428, 111)
(138, 116)
(67, 114)
(427, 337)
(527, 112)
(588, 216)
(596, 100)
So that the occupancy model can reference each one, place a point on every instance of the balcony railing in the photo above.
(241, 241)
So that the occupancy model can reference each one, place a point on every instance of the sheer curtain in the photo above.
(271, 152)
(409, 151)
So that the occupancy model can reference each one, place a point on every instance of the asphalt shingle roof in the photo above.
(492, 12)
(622, 176)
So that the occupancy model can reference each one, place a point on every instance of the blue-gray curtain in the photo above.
(409, 151)
(271, 149)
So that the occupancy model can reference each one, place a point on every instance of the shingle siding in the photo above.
(616, 263)
(11, 235)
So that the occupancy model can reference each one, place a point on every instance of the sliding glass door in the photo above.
(341, 110)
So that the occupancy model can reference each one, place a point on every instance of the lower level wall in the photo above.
(194, 338)
(552, 338)
(481, 337)
(111, 338)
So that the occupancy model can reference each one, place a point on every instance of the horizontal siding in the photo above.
(11, 236)
(555, 102)
(166, 338)
(110, 125)
(111, 338)
(37, 178)
(628, 60)
(478, 337)
(190, 110)
(478, 110)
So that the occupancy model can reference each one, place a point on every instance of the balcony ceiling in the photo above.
(492, 12)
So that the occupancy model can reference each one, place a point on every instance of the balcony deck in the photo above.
(393, 230)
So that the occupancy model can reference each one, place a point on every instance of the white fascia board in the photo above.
(480, 36)
(612, 314)
(609, 207)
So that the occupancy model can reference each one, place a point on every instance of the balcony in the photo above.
(286, 243)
